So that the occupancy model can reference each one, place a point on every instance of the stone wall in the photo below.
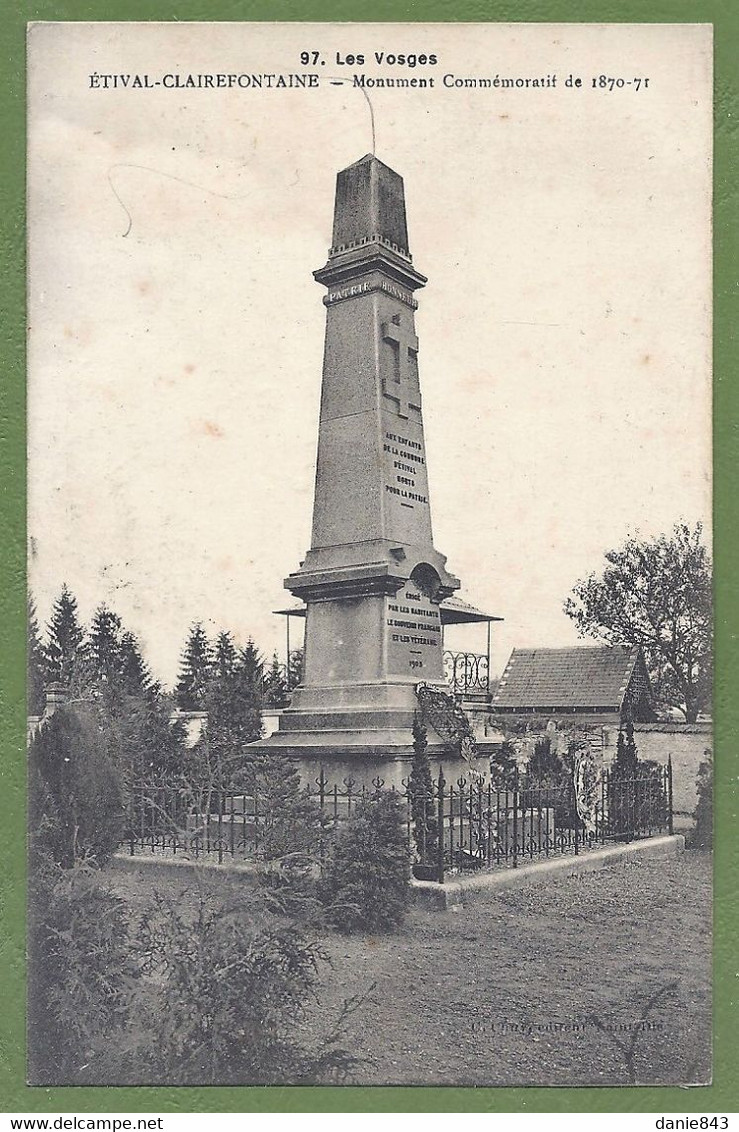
(686, 742)
(195, 724)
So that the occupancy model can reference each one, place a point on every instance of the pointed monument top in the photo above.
(370, 201)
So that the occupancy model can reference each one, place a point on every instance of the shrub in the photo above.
(365, 885)
(199, 999)
(76, 800)
(503, 767)
(225, 999)
(548, 783)
(288, 888)
(289, 820)
(703, 814)
(636, 792)
(80, 975)
(545, 765)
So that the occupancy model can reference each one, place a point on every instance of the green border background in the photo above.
(15, 1096)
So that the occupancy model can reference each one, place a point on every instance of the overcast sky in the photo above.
(176, 331)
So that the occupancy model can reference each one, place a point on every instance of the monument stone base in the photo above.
(360, 741)
(391, 765)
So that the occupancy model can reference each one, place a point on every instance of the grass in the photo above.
(543, 985)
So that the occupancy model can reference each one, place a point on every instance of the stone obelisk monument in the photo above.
(372, 580)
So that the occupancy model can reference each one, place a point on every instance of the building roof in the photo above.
(453, 610)
(573, 679)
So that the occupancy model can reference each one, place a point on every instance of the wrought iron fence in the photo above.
(470, 823)
(467, 672)
(477, 824)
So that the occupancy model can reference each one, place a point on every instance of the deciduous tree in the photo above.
(656, 594)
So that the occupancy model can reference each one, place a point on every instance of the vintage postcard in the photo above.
(370, 625)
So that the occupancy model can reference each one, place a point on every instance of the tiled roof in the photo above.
(566, 678)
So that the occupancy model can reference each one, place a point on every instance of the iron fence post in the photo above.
(670, 824)
(219, 801)
(577, 817)
(321, 782)
(481, 843)
(515, 818)
(603, 808)
(440, 820)
(131, 819)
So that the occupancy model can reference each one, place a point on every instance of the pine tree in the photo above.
(136, 679)
(625, 796)
(422, 795)
(36, 658)
(251, 666)
(221, 704)
(276, 694)
(626, 763)
(225, 659)
(196, 669)
(290, 819)
(65, 637)
(102, 667)
(631, 754)
(154, 745)
(233, 700)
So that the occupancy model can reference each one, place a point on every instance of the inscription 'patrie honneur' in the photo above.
(366, 288)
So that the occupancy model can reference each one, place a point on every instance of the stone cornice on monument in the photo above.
(358, 581)
(379, 566)
(362, 260)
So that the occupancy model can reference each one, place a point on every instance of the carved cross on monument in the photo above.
(401, 390)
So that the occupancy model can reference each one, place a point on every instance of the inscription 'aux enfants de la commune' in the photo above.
(403, 389)
(413, 466)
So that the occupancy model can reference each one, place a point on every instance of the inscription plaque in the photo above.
(413, 633)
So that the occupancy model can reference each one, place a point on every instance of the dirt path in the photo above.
(512, 989)
(508, 991)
